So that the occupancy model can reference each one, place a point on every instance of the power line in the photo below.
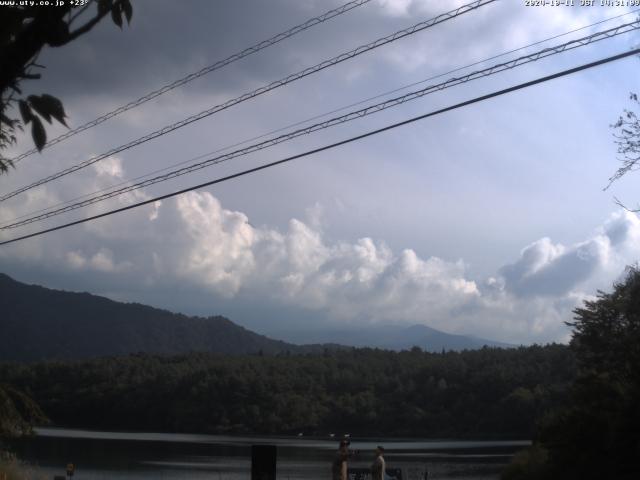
(279, 83)
(338, 120)
(394, 102)
(315, 117)
(208, 69)
(337, 144)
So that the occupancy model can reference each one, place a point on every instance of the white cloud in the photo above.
(551, 269)
(111, 167)
(487, 31)
(219, 243)
(396, 7)
(102, 261)
(195, 241)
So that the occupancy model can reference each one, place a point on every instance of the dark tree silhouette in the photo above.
(596, 435)
(18, 413)
(599, 435)
(24, 31)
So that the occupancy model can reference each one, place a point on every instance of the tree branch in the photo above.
(80, 11)
(27, 44)
(620, 204)
(89, 25)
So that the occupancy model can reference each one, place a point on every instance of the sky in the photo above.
(490, 220)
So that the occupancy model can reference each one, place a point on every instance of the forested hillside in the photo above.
(489, 392)
(39, 323)
(18, 413)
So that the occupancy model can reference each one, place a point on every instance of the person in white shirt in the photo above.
(378, 467)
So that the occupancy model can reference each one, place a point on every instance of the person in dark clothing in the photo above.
(339, 465)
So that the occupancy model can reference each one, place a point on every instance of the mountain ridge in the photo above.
(39, 323)
(398, 337)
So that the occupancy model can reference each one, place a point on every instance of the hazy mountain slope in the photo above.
(395, 337)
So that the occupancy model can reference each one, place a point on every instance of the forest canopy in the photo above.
(496, 392)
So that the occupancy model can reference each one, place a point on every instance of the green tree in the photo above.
(24, 31)
(18, 413)
(596, 435)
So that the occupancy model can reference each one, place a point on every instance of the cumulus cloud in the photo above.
(396, 7)
(549, 269)
(194, 242)
(111, 167)
(102, 261)
(218, 250)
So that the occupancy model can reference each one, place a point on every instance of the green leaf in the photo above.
(127, 9)
(104, 6)
(25, 111)
(5, 163)
(40, 106)
(54, 107)
(6, 120)
(38, 133)
(116, 14)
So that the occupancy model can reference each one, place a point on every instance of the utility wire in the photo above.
(192, 76)
(279, 83)
(315, 117)
(337, 144)
(394, 102)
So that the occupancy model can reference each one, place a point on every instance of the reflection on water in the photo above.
(114, 455)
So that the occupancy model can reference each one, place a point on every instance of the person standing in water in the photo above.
(378, 466)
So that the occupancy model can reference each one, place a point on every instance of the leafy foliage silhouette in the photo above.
(24, 31)
(595, 434)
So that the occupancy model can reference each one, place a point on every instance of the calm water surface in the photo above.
(146, 456)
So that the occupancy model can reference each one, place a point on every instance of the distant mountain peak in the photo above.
(399, 337)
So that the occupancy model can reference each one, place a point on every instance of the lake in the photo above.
(163, 456)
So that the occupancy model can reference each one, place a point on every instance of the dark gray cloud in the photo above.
(169, 39)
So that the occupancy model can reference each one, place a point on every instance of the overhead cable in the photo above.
(394, 102)
(310, 119)
(279, 83)
(204, 71)
(334, 145)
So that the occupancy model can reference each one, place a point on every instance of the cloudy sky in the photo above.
(489, 220)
